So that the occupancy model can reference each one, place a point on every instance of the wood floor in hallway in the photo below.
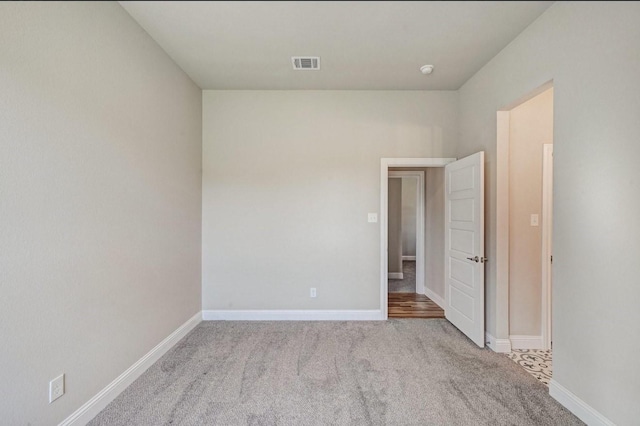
(413, 305)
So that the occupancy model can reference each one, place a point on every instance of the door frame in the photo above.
(385, 163)
(547, 249)
(501, 342)
(420, 223)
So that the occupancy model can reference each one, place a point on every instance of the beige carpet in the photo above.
(408, 282)
(396, 372)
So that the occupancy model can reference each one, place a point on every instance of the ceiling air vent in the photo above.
(306, 62)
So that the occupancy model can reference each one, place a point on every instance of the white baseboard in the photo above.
(96, 404)
(502, 346)
(525, 342)
(292, 315)
(433, 296)
(395, 275)
(408, 258)
(581, 409)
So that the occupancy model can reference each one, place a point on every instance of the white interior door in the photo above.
(464, 246)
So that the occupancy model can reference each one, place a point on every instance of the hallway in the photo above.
(413, 305)
(408, 282)
(404, 302)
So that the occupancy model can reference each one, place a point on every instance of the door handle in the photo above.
(475, 259)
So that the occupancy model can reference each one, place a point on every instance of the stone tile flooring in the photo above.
(536, 362)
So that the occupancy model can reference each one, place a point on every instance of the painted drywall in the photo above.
(394, 215)
(596, 185)
(530, 127)
(434, 230)
(288, 180)
(100, 150)
(409, 206)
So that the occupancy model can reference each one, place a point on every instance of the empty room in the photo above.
(319, 213)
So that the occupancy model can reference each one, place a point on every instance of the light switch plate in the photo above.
(534, 220)
(373, 217)
(56, 388)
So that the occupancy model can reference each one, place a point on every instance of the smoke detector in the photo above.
(426, 69)
(305, 63)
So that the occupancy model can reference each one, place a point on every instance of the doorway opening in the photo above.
(457, 205)
(406, 246)
(426, 297)
(402, 295)
(406, 220)
(524, 234)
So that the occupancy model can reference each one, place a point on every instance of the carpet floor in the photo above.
(408, 282)
(396, 372)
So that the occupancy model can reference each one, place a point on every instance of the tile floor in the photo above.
(536, 362)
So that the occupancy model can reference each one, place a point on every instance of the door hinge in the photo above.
(551, 258)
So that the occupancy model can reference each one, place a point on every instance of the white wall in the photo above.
(589, 49)
(289, 177)
(394, 226)
(100, 201)
(531, 126)
(409, 215)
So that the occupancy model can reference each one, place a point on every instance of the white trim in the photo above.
(581, 409)
(96, 404)
(547, 230)
(433, 296)
(502, 346)
(396, 275)
(408, 258)
(420, 223)
(502, 222)
(417, 162)
(385, 163)
(292, 315)
(525, 342)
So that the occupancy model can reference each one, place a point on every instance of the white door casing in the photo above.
(464, 246)
(547, 248)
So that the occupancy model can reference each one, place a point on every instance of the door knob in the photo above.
(475, 258)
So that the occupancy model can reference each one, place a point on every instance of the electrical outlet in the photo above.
(56, 388)
(372, 217)
(312, 293)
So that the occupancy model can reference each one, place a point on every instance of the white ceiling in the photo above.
(362, 45)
